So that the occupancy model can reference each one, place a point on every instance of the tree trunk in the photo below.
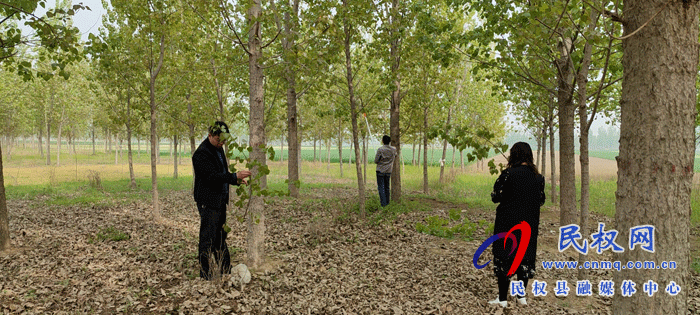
(116, 151)
(154, 134)
(218, 87)
(48, 130)
(190, 126)
(255, 250)
(353, 112)
(538, 153)
(290, 53)
(413, 155)
(444, 147)
(581, 82)
(657, 148)
(315, 149)
(132, 182)
(41, 134)
(175, 157)
(425, 151)
(282, 149)
(328, 153)
(567, 162)
(340, 145)
(420, 145)
(543, 167)
(552, 156)
(461, 159)
(4, 216)
(58, 142)
(299, 133)
(93, 139)
(364, 157)
(394, 117)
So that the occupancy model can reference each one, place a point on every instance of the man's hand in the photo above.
(242, 175)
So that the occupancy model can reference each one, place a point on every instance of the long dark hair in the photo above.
(521, 152)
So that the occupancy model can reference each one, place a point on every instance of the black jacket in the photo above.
(520, 192)
(209, 175)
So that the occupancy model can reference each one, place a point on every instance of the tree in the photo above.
(657, 147)
(349, 30)
(558, 46)
(54, 32)
(58, 37)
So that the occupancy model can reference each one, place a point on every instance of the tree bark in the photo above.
(413, 155)
(58, 142)
(255, 252)
(328, 155)
(290, 52)
(41, 134)
(175, 156)
(425, 150)
(48, 128)
(581, 82)
(132, 183)
(543, 167)
(552, 156)
(340, 145)
(394, 118)
(567, 162)
(154, 124)
(444, 146)
(657, 148)
(93, 138)
(353, 111)
(116, 151)
(4, 216)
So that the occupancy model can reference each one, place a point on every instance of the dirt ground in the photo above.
(320, 260)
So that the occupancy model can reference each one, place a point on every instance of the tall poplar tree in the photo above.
(657, 149)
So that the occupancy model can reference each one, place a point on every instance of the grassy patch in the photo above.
(695, 266)
(602, 197)
(451, 226)
(112, 234)
(82, 193)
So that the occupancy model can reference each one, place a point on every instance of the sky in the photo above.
(87, 21)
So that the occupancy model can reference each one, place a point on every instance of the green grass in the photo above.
(695, 265)
(471, 190)
(81, 193)
(307, 154)
(602, 196)
(112, 234)
(451, 226)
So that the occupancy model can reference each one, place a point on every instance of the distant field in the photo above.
(610, 155)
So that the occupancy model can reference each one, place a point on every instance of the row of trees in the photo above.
(315, 65)
(176, 65)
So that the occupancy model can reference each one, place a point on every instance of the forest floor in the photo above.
(322, 258)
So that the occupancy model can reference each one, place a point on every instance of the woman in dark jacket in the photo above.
(520, 191)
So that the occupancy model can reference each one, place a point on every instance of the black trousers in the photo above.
(384, 187)
(212, 240)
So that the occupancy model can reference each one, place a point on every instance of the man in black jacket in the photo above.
(211, 192)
